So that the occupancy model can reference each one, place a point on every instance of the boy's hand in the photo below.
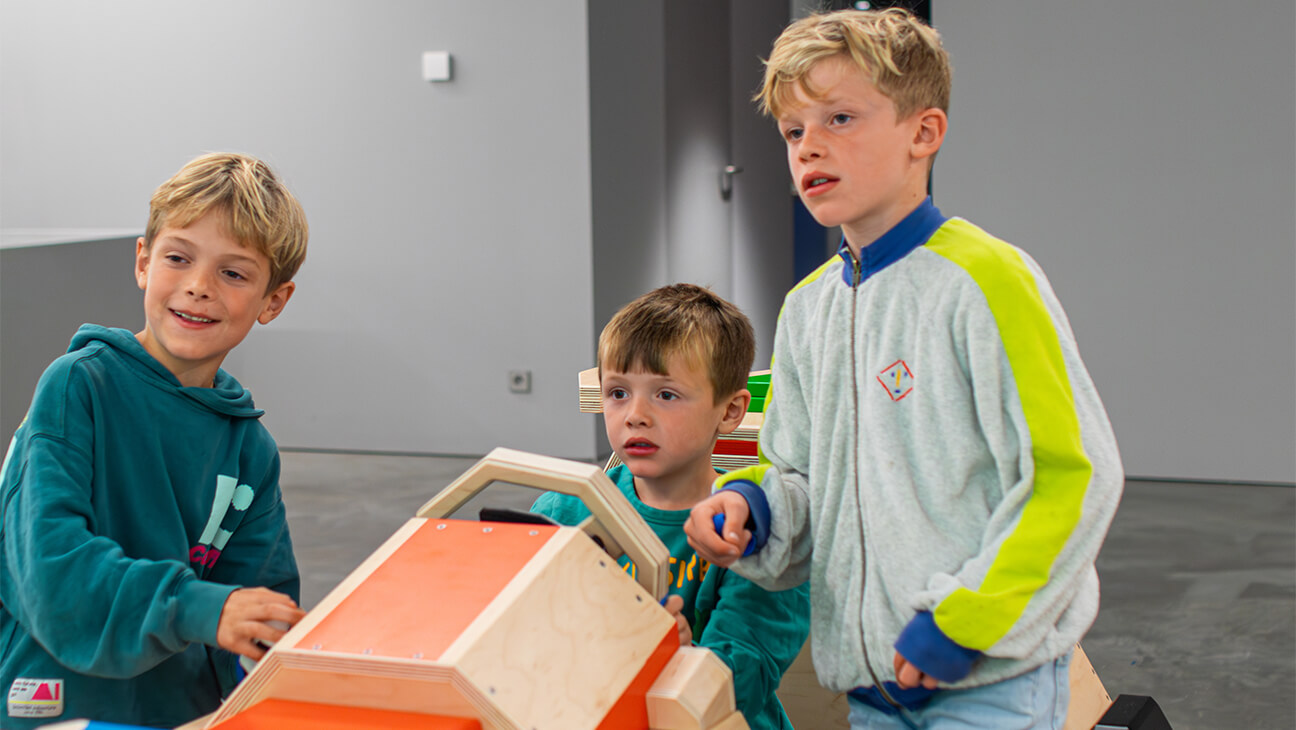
(675, 605)
(700, 528)
(908, 676)
(246, 620)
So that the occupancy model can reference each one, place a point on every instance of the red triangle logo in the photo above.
(43, 692)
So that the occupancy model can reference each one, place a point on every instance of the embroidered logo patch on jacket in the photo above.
(36, 698)
(897, 379)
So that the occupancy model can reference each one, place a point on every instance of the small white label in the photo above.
(36, 698)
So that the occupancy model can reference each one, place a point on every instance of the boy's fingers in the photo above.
(735, 526)
(289, 615)
(701, 532)
(251, 650)
(908, 677)
(733, 523)
(674, 604)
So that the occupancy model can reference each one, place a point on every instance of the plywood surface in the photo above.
(563, 652)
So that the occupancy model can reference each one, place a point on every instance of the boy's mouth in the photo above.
(191, 317)
(639, 447)
(816, 183)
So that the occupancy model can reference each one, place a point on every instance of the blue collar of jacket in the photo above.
(910, 233)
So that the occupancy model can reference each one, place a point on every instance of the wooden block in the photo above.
(1089, 699)
(511, 625)
(585, 481)
(591, 396)
(694, 692)
(734, 722)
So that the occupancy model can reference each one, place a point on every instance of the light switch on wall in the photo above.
(436, 65)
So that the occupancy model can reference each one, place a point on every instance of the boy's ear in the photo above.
(141, 263)
(734, 410)
(275, 301)
(929, 132)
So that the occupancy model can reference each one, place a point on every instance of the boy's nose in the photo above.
(811, 146)
(198, 286)
(636, 413)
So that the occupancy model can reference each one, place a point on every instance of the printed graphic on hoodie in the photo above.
(228, 494)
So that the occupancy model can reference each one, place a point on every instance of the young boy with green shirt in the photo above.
(673, 368)
(935, 457)
(144, 546)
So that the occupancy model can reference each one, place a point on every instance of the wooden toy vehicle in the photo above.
(466, 624)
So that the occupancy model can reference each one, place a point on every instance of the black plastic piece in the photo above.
(500, 514)
(1133, 712)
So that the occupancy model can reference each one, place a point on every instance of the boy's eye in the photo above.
(667, 395)
(236, 276)
(792, 134)
(617, 394)
(175, 258)
(841, 118)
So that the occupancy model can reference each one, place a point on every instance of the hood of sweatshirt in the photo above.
(226, 396)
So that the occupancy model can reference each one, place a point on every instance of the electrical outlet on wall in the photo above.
(519, 381)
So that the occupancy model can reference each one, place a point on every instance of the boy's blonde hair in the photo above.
(682, 319)
(903, 55)
(259, 212)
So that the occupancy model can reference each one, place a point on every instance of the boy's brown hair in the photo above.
(258, 210)
(903, 55)
(683, 319)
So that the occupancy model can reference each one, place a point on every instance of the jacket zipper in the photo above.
(855, 456)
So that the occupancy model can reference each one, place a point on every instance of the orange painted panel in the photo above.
(289, 715)
(432, 588)
(631, 711)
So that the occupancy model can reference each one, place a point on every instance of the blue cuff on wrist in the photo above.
(758, 520)
(930, 650)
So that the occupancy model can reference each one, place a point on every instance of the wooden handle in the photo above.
(619, 527)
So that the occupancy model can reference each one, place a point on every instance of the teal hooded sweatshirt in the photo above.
(131, 508)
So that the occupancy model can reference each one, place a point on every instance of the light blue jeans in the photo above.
(1036, 699)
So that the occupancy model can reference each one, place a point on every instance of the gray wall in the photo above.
(46, 292)
(662, 129)
(1145, 154)
(761, 210)
(451, 222)
(628, 135)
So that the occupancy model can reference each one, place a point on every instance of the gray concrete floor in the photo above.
(1198, 581)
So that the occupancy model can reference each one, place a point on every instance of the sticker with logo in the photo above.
(897, 379)
(36, 698)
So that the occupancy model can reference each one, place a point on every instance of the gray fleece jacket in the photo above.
(935, 461)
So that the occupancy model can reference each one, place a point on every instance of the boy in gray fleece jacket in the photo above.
(935, 458)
